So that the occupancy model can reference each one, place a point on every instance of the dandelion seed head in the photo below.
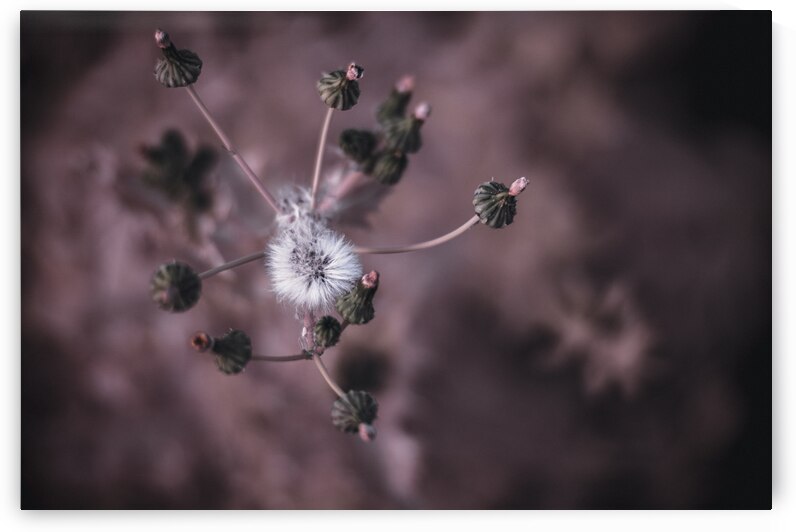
(310, 265)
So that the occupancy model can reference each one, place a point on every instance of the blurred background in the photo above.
(610, 349)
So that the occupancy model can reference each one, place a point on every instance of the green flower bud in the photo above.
(494, 205)
(232, 351)
(388, 167)
(355, 413)
(340, 89)
(357, 144)
(177, 68)
(175, 287)
(327, 331)
(356, 307)
(404, 135)
(394, 107)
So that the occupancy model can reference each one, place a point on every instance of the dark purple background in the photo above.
(611, 349)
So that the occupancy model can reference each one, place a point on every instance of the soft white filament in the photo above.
(310, 265)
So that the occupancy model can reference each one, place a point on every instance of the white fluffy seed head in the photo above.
(310, 265)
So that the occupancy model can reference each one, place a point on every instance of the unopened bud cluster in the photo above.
(383, 153)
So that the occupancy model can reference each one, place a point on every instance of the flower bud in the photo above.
(494, 204)
(327, 331)
(233, 351)
(355, 413)
(389, 167)
(177, 68)
(394, 107)
(175, 287)
(404, 135)
(357, 144)
(356, 307)
(201, 341)
(367, 432)
(340, 89)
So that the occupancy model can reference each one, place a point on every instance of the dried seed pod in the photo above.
(394, 107)
(233, 351)
(175, 286)
(177, 68)
(357, 144)
(494, 204)
(327, 331)
(355, 413)
(340, 89)
(356, 307)
(389, 167)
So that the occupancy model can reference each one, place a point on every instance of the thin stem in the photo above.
(235, 155)
(232, 264)
(285, 358)
(422, 245)
(333, 385)
(316, 176)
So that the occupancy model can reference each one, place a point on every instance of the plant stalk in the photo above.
(228, 146)
(285, 358)
(316, 176)
(422, 245)
(325, 373)
(232, 264)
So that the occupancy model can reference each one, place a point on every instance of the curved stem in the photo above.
(316, 176)
(333, 385)
(422, 245)
(232, 264)
(228, 146)
(286, 358)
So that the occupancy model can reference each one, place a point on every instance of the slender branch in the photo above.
(316, 176)
(333, 385)
(285, 358)
(228, 146)
(306, 355)
(422, 245)
(232, 264)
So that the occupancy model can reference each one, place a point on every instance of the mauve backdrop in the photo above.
(610, 349)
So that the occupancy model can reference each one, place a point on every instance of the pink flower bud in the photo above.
(162, 39)
(518, 186)
(354, 72)
(367, 432)
(371, 280)
(422, 111)
(405, 84)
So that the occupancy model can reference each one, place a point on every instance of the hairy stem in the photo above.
(232, 264)
(325, 373)
(422, 245)
(316, 176)
(228, 146)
